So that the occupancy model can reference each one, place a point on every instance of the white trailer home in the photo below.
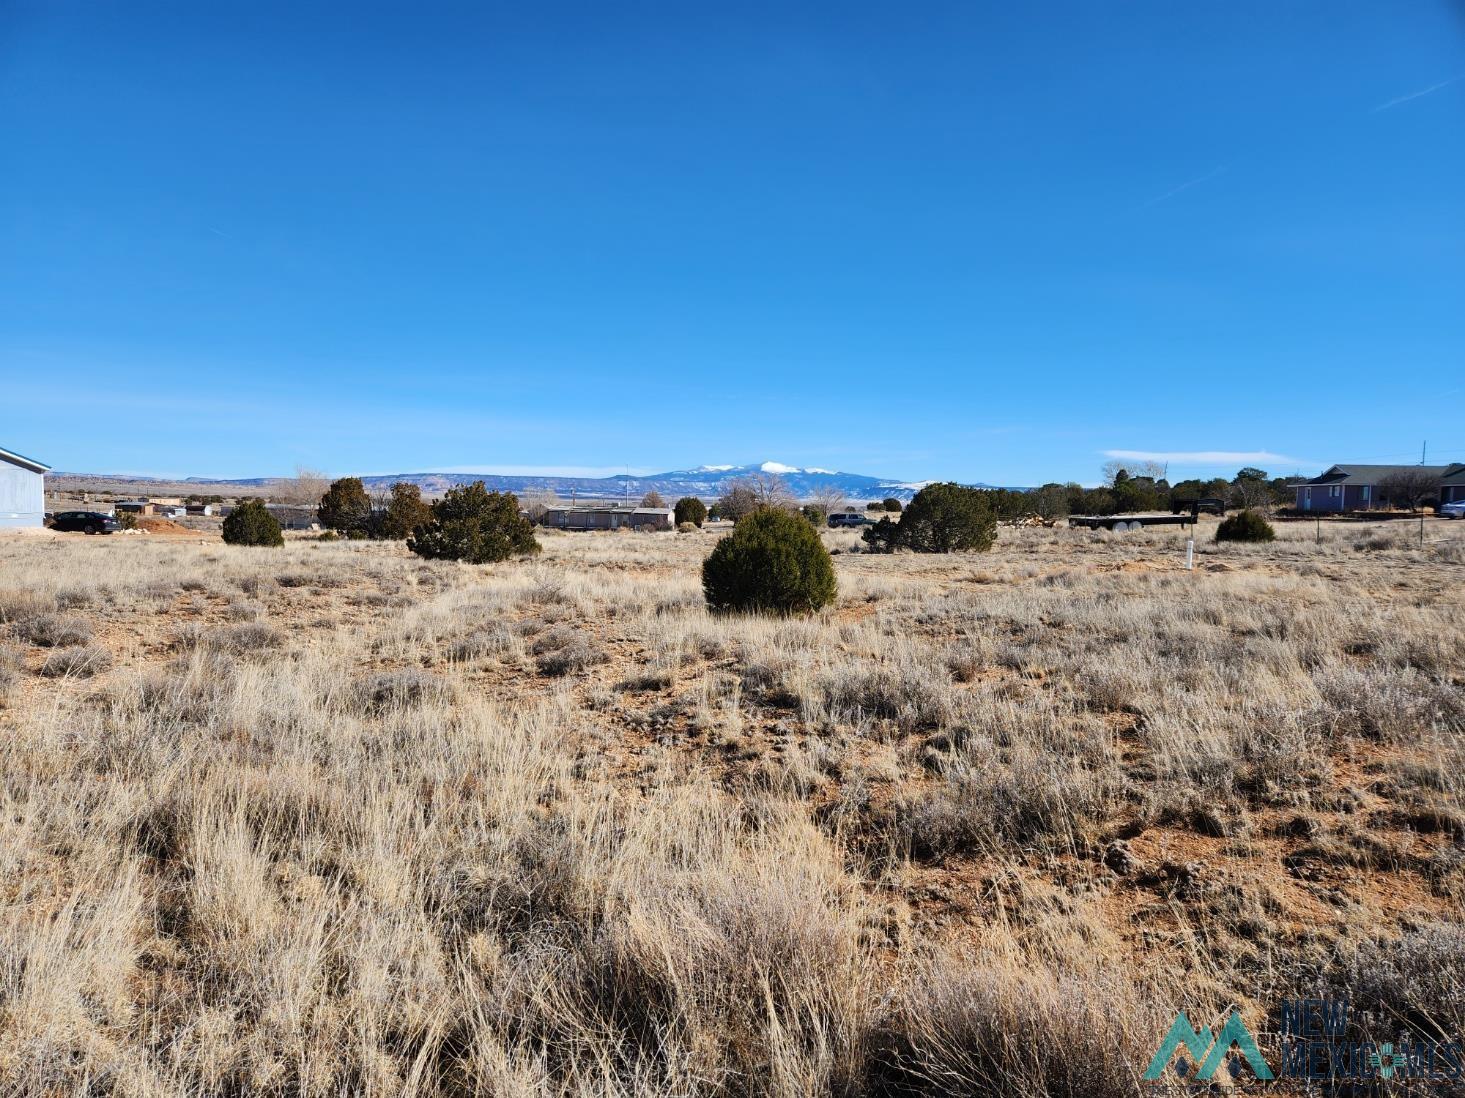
(22, 491)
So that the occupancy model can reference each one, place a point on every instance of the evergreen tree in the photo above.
(948, 518)
(691, 509)
(252, 524)
(405, 511)
(345, 506)
(772, 563)
(475, 525)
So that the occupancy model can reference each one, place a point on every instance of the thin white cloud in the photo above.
(1189, 183)
(1209, 457)
(1419, 94)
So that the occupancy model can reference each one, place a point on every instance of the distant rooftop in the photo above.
(1371, 474)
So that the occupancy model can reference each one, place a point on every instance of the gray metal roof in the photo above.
(1371, 474)
(1455, 474)
(626, 509)
(24, 462)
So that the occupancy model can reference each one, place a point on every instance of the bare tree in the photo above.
(1408, 488)
(652, 499)
(1051, 501)
(538, 501)
(1251, 488)
(305, 488)
(738, 501)
(1111, 469)
(771, 490)
(747, 494)
(829, 501)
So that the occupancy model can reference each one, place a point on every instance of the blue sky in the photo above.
(979, 241)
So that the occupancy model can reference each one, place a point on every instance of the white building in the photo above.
(22, 491)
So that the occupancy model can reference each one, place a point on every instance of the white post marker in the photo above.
(1190, 554)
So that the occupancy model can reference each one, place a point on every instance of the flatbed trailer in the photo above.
(1121, 523)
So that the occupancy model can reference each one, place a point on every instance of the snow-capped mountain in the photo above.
(705, 481)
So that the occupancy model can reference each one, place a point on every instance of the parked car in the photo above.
(847, 518)
(85, 522)
(1455, 509)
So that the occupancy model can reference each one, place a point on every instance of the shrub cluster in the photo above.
(81, 663)
(1245, 526)
(772, 563)
(475, 525)
(348, 510)
(1128, 492)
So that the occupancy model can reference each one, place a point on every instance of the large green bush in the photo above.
(943, 518)
(252, 524)
(691, 509)
(1245, 526)
(948, 518)
(475, 525)
(772, 563)
(345, 506)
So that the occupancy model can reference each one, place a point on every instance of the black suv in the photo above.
(85, 522)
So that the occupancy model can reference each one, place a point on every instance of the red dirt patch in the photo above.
(162, 526)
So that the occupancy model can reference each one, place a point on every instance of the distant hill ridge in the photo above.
(705, 481)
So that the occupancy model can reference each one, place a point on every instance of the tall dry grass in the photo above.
(332, 820)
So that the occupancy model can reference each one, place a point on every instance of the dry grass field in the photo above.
(332, 820)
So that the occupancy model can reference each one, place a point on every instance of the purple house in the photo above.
(1452, 484)
(1359, 487)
